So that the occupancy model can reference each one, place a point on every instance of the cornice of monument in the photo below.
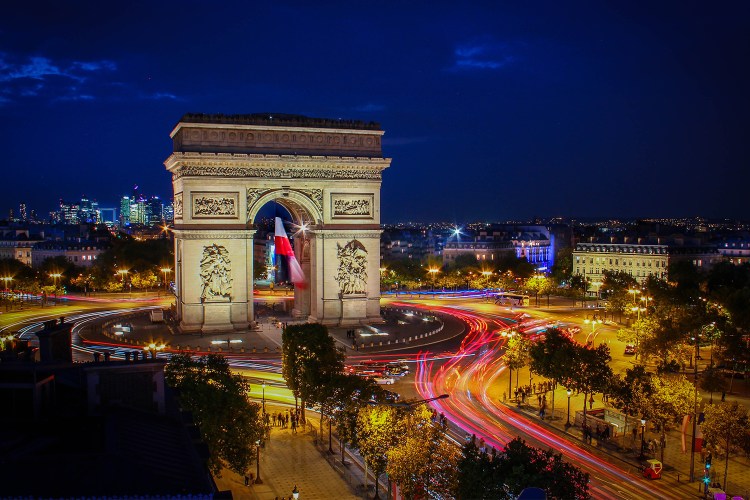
(274, 128)
(277, 121)
(270, 165)
(215, 234)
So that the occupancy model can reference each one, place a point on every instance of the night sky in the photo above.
(492, 111)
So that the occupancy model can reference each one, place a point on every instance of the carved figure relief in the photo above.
(352, 271)
(216, 273)
(213, 205)
(178, 206)
(254, 195)
(316, 195)
(345, 206)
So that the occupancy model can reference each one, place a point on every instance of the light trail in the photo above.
(475, 412)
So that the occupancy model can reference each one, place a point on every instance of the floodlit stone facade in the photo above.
(326, 173)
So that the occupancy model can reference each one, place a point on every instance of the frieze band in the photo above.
(278, 173)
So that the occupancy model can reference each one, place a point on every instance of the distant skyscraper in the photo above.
(154, 211)
(10, 215)
(32, 216)
(70, 212)
(22, 211)
(169, 213)
(125, 211)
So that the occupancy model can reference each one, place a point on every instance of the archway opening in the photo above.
(274, 291)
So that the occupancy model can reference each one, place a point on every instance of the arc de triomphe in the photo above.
(326, 173)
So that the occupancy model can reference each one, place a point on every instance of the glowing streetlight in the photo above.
(593, 323)
(295, 493)
(433, 271)
(264, 396)
(165, 270)
(569, 392)
(6, 279)
(258, 480)
(122, 273)
(55, 277)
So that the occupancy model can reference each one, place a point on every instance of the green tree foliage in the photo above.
(356, 393)
(562, 269)
(727, 429)
(640, 332)
(590, 372)
(672, 397)
(424, 460)
(629, 392)
(553, 358)
(309, 360)
(379, 429)
(517, 354)
(519, 466)
(229, 422)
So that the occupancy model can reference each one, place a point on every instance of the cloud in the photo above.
(42, 78)
(163, 95)
(369, 108)
(482, 55)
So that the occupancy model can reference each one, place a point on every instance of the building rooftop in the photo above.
(279, 120)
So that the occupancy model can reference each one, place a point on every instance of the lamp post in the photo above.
(258, 480)
(643, 442)
(165, 270)
(433, 271)
(264, 396)
(486, 275)
(6, 279)
(593, 322)
(55, 277)
(569, 392)
(509, 334)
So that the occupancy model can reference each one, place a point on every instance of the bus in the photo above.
(511, 299)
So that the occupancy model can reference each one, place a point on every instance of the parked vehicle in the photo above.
(629, 350)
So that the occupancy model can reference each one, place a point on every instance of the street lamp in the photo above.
(6, 279)
(433, 271)
(165, 270)
(55, 277)
(567, 424)
(643, 442)
(295, 493)
(593, 322)
(258, 480)
(264, 396)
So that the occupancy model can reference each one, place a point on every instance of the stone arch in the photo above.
(299, 204)
(325, 173)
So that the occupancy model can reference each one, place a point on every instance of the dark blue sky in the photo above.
(491, 111)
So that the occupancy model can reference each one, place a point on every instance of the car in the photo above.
(629, 350)
(384, 380)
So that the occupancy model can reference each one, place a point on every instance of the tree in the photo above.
(552, 358)
(562, 269)
(229, 422)
(424, 461)
(726, 427)
(579, 284)
(641, 330)
(309, 359)
(144, 279)
(589, 371)
(518, 466)
(357, 392)
(379, 429)
(629, 393)
(672, 397)
(540, 284)
(516, 356)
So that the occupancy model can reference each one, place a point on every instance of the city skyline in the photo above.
(490, 112)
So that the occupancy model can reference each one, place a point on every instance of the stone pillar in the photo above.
(302, 294)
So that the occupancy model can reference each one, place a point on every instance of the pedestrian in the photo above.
(591, 402)
(247, 480)
(504, 397)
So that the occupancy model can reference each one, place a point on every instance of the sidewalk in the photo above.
(288, 460)
(625, 452)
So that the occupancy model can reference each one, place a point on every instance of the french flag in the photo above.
(283, 247)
